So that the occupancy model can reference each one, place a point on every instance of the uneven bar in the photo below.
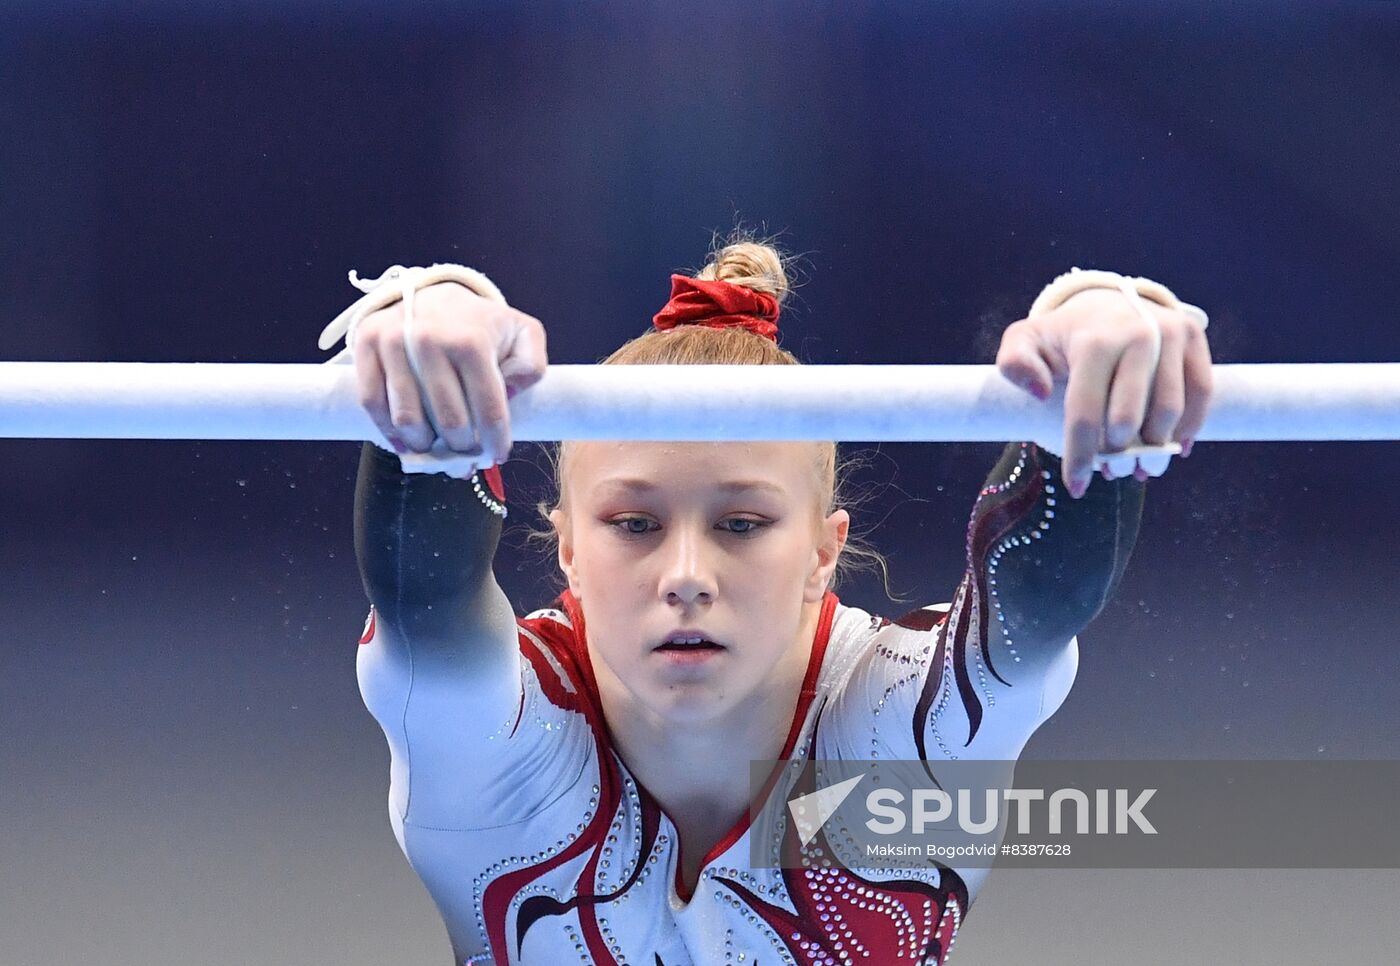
(121, 400)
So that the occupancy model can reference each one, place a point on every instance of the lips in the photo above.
(687, 639)
(688, 650)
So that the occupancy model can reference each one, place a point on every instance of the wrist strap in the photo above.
(1077, 280)
(397, 283)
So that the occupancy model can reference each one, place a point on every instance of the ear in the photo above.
(565, 534)
(831, 540)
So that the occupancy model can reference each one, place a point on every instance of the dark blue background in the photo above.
(185, 768)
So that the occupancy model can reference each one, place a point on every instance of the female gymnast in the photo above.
(573, 786)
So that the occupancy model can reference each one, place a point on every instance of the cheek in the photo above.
(593, 553)
(613, 572)
(778, 563)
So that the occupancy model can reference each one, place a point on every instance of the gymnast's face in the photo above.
(725, 540)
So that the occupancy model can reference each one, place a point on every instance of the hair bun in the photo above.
(751, 264)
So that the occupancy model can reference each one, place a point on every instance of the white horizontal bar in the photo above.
(122, 400)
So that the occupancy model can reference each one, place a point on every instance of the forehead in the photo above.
(596, 467)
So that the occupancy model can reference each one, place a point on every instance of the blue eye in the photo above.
(749, 526)
(626, 525)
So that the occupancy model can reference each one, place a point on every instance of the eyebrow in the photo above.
(728, 486)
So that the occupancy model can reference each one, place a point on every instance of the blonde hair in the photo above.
(758, 264)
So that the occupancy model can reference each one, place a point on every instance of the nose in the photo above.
(687, 572)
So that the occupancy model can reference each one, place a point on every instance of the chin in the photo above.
(687, 705)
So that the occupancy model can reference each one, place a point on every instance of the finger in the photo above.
(374, 397)
(1168, 391)
(1199, 385)
(405, 402)
(1086, 397)
(446, 397)
(1129, 393)
(526, 358)
(475, 361)
(1020, 361)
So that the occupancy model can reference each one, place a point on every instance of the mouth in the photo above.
(688, 647)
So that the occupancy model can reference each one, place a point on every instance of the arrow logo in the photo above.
(811, 811)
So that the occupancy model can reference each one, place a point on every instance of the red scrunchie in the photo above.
(718, 305)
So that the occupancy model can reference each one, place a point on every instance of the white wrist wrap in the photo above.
(399, 283)
(1077, 280)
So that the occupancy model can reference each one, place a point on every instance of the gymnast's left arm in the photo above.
(1049, 538)
(1135, 366)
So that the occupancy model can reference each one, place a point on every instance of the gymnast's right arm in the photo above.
(439, 665)
(425, 541)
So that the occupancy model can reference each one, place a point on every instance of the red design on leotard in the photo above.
(840, 913)
(492, 475)
(569, 693)
(578, 691)
(994, 517)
